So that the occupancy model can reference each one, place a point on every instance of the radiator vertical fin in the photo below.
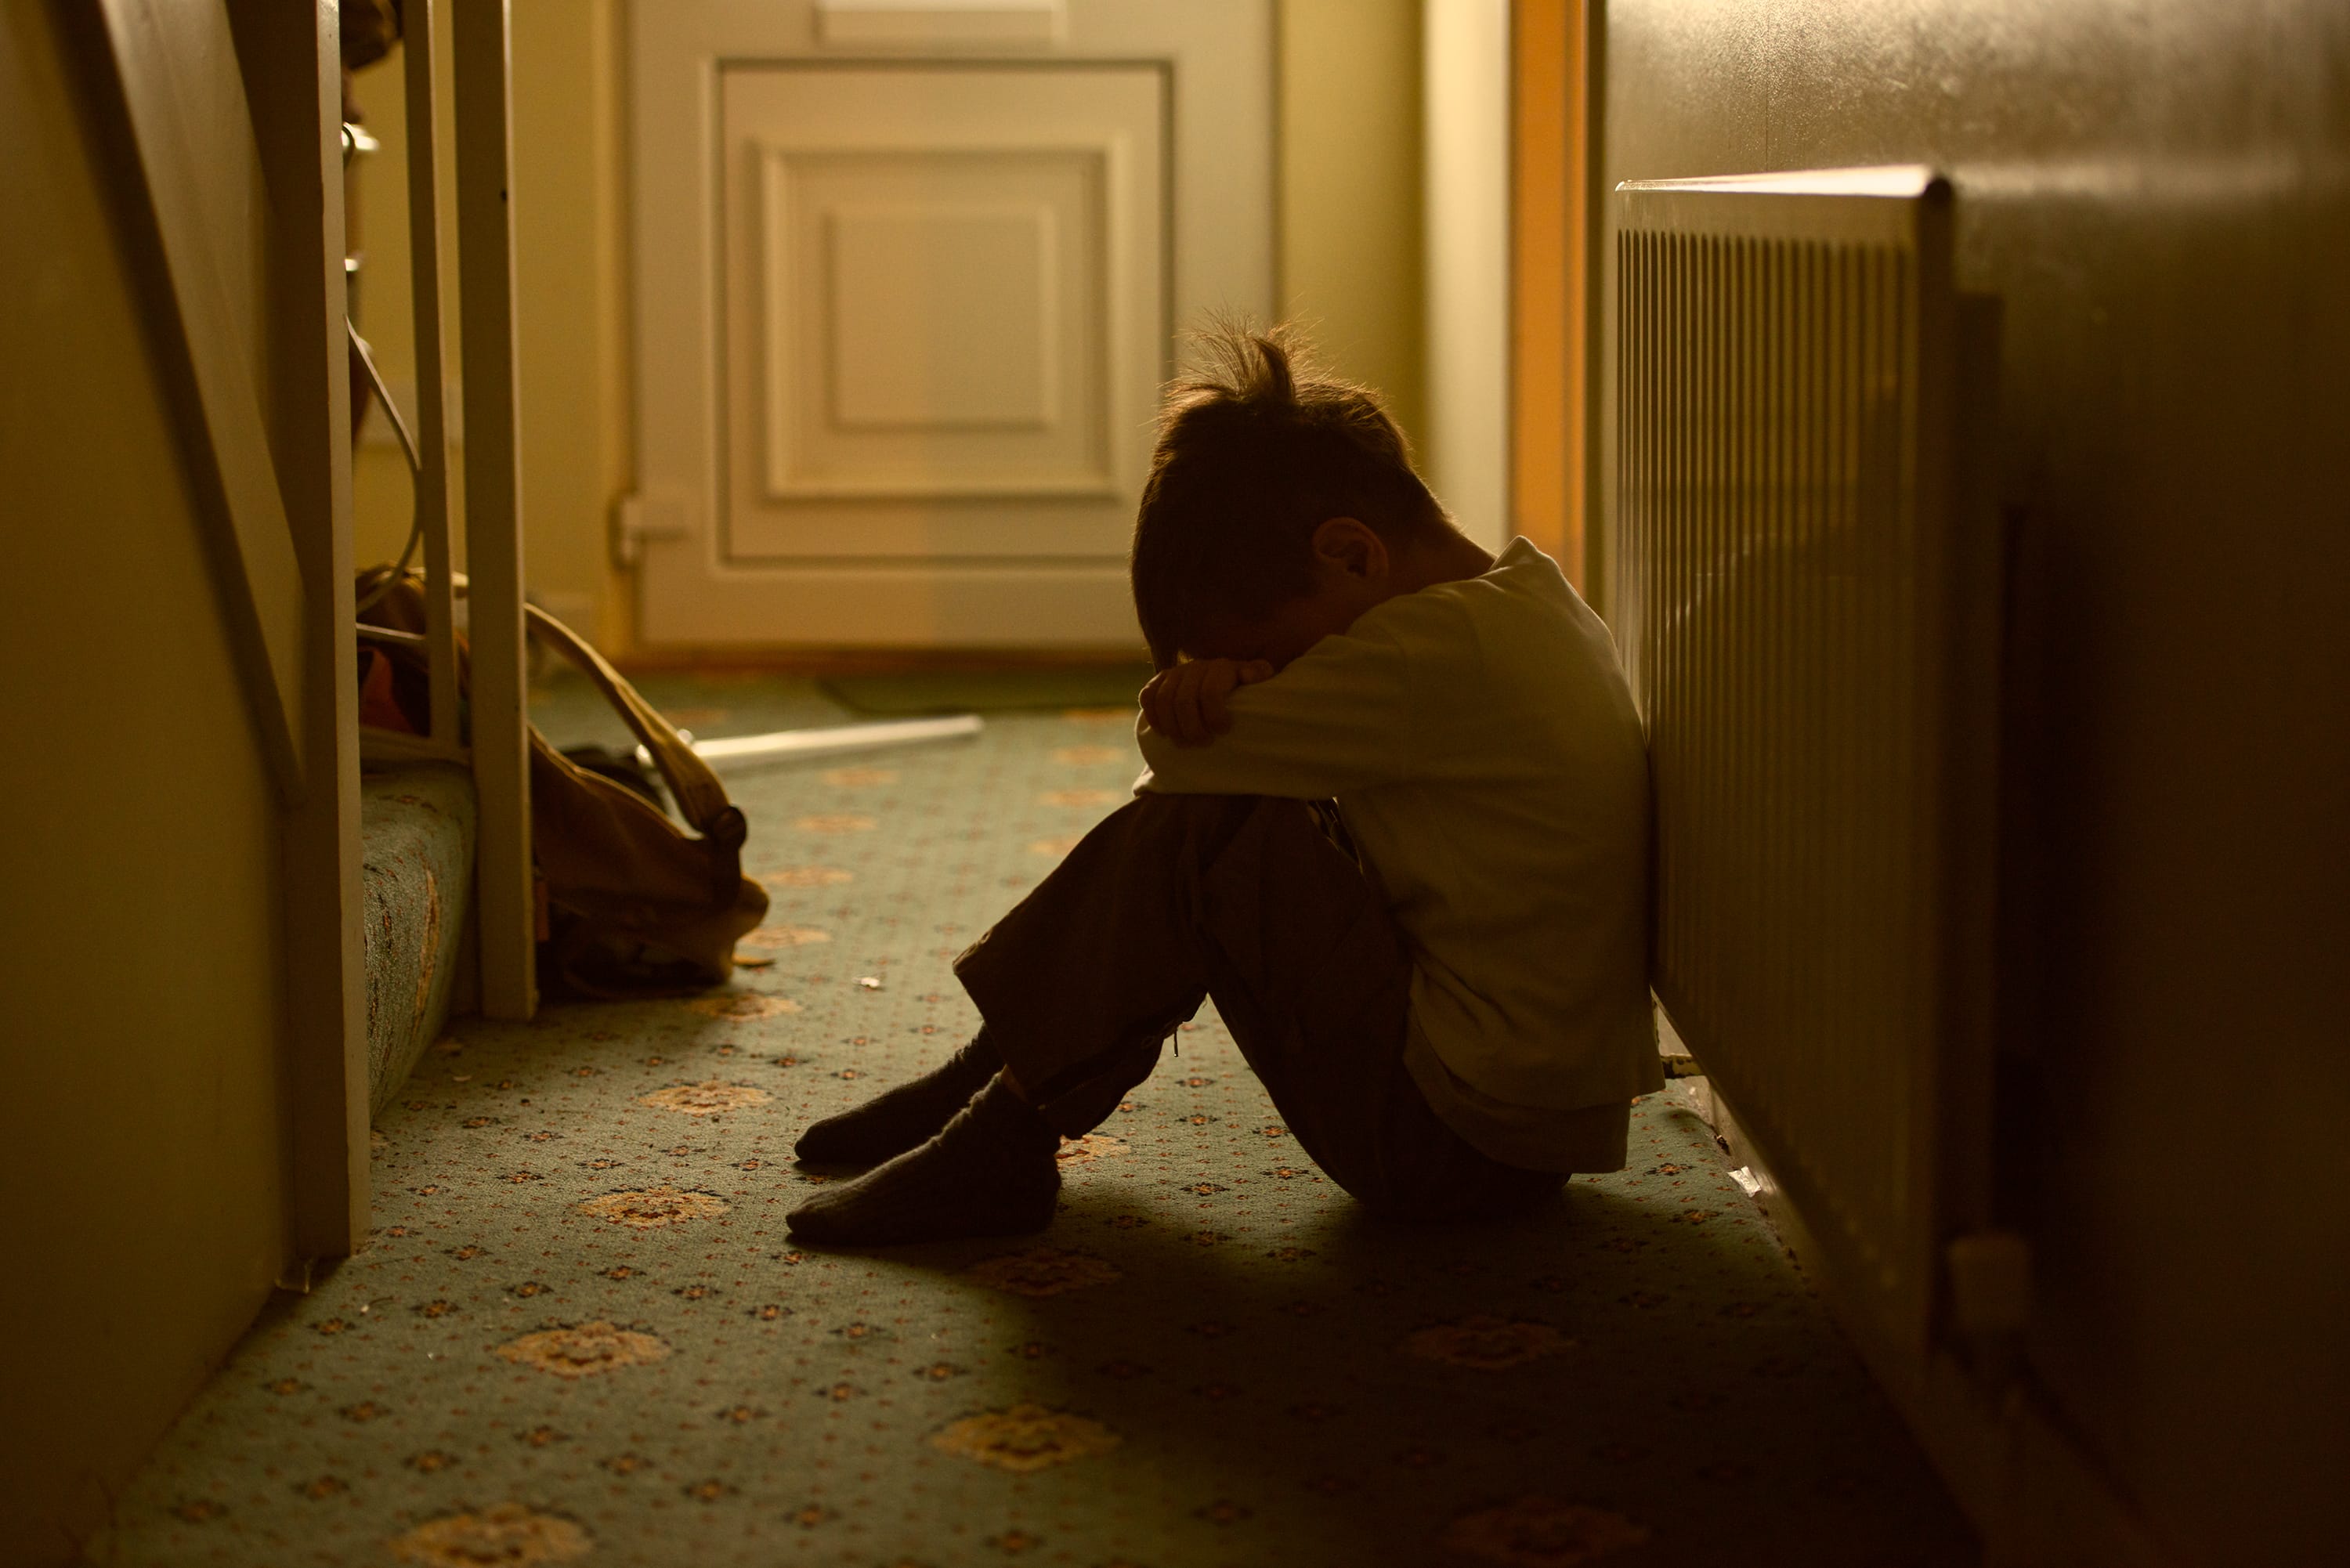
(1791, 561)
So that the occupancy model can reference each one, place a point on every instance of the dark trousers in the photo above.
(1249, 900)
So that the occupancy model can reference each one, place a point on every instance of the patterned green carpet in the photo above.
(416, 860)
(580, 1333)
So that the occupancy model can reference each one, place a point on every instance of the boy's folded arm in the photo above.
(1338, 718)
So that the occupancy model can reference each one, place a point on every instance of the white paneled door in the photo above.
(902, 317)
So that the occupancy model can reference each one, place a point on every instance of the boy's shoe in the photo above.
(889, 1124)
(991, 1171)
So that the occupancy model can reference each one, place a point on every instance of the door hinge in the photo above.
(638, 518)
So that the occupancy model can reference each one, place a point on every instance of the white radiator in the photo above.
(1808, 611)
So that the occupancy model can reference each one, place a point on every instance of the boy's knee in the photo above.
(1188, 808)
(1207, 825)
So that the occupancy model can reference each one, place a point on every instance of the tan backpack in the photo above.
(636, 906)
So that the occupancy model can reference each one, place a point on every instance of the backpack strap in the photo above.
(699, 797)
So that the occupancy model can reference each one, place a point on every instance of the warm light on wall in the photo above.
(1546, 237)
(1467, 46)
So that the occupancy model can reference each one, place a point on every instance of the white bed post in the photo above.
(503, 869)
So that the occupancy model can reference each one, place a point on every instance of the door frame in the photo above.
(1548, 292)
(1220, 53)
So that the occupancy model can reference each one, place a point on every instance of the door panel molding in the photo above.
(1000, 536)
(1022, 234)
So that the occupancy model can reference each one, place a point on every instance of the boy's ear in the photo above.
(1350, 546)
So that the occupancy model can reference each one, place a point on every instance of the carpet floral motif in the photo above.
(508, 1533)
(1082, 798)
(1043, 1272)
(1543, 1532)
(1024, 1438)
(652, 1207)
(787, 936)
(584, 1350)
(743, 1006)
(1487, 1343)
(806, 877)
(707, 1098)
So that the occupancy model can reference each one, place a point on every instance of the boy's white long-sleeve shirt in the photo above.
(1482, 744)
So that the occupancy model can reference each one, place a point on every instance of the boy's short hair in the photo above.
(1255, 449)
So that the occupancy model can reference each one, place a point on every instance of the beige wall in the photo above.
(569, 182)
(2158, 193)
(1350, 269)
(1351, 259)
(1467, 448)
(382, 299)
(142, 1135)
(572, 316)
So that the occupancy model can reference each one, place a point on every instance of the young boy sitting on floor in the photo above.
(1395, 823)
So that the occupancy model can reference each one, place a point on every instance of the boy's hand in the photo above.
(1186, 703)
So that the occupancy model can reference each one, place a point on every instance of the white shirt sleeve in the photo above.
(1338, 718)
